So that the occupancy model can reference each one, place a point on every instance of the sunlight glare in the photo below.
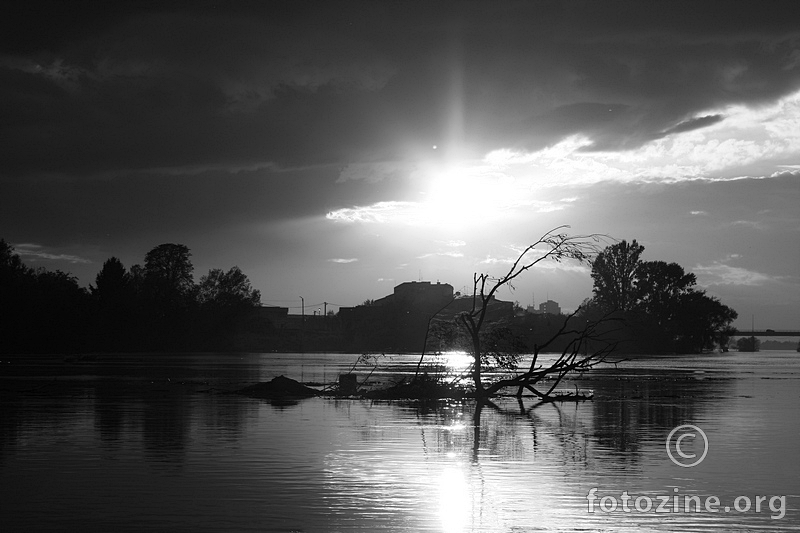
(458, 193)
(454, 506)
(456, 361)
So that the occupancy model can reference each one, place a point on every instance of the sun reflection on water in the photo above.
(454, 500)
(456, 360)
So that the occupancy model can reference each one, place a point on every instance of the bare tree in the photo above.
(589, 343)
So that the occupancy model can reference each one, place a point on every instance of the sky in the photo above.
(333, 150)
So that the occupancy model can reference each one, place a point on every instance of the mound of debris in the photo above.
(280, 388)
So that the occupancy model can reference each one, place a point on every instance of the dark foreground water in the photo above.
(135, 443)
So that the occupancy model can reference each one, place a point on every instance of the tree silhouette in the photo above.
(658, 301)
(229, 289)
(114, 305)
(40, 311)
(11, 266)
(168, 266)
(588, 345)
(614, 271)
(154, 307)
(61, 308)
(703, 321)
(15, 280)
(225, 300)
(166, 297)
(659, 287)
(112, 284)
(168, 283)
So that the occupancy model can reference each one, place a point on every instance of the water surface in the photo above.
(152, 442)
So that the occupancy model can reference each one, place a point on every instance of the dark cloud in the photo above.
(143, 208)
(693, 124)
(86, 89)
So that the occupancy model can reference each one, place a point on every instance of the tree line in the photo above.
(640, 306)
(154, 306)
(157, 306)
(659, 303)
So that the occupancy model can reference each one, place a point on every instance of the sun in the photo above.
(464, 193)
(452, 195)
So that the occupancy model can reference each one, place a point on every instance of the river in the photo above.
(154, 442)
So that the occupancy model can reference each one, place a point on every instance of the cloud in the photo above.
(440, 254)
(565, 266)
(187, 90)
(751, 142)
(36, 251)
(546, 265)
(758, 138)
(755, 224)
(194, 170)
(380, 212)
(454, 243)
(343, 261)
(190, 86)
(374, 172)
(489, 260)
(246, 58)
(787, 173)
(719, 273)
(693, 124)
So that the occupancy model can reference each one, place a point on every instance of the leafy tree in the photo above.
(614, 272)
(659, 287)
(114, 305)
(168, 267)
(167, 298)
(40, 310)
(15, 281)
(168, 285)
(14, 275)
(136, 283)
(659, 301)
(748, 344)
(703, 321)
(112, 284)
(57, 312)
(229, 289)
(225, 299)
(660, 291)
(11, 265)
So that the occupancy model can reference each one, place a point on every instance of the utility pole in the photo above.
(302, 321)
(326, 308)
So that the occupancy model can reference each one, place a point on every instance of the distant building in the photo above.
(423, 294)
(546, 308)
(399, 321)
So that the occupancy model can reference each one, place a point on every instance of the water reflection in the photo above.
(636, 407)
(454, 499)
(214, 461)
(109, 414)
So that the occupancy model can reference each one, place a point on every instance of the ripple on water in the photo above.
(157, 454)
